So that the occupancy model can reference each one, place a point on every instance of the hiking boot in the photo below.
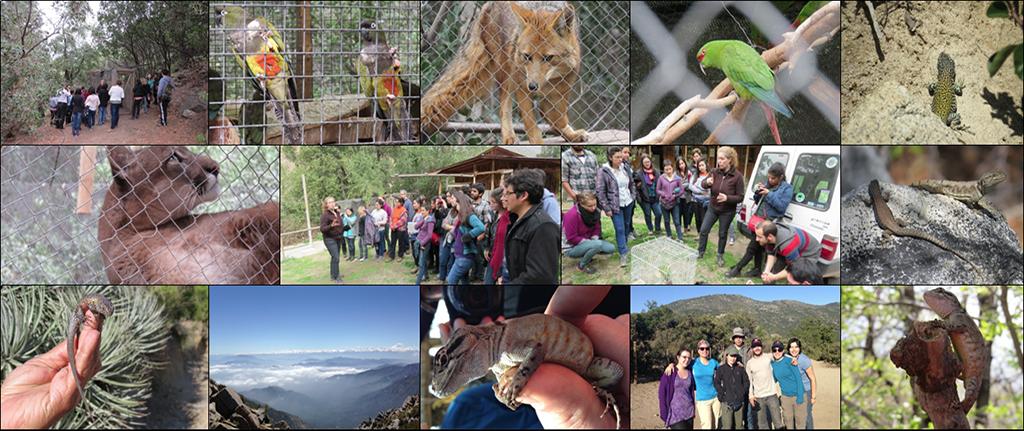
(623, 260)
(586, 269)
(754, 272)
(720, 261)
(733, 272)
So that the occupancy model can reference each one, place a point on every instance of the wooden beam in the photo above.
(86, 169)
(305, 63)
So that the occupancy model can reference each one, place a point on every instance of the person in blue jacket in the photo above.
(771, 201)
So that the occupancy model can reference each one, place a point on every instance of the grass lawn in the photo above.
(609, 272)
(316, 269)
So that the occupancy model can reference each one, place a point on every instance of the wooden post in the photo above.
(86, 169)
(305, 63)
(305, 198)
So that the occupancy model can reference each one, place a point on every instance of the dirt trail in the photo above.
(887, 102)
(644, 400)
(179, 397)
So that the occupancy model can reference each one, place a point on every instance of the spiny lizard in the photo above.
(971, 193)
(894, 226)
(967, 341)
(512, 350)
(943, 91)
(101, 308)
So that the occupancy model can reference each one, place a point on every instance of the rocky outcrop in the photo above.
(229, 410)
(405, 417)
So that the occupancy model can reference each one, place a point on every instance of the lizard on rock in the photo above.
(894, 226)
(101, 308)
(943, 90)
(512, 350)
(969, 192)
(967, 341)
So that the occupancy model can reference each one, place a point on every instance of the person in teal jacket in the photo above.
(794, 412)
(348, 222)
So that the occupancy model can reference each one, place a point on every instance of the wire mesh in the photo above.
(51, 235)
(663, 261)
(323, 47)
(580, 68)
(666, 37)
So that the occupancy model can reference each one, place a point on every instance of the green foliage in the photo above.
(819, 340)
(1002, 9)
(34, 320)
(185, 302)
(154, 35)
(27, 80)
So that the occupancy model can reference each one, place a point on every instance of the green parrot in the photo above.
(749, 74)
(258, 49)
(379, 78)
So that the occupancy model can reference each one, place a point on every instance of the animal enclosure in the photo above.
(598, 100)
(52, 196)
(322, 46)
(663, 261)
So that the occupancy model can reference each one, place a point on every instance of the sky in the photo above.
(817, 295)
(50, 16)
(275, 319)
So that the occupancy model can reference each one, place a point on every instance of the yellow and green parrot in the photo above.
(258, 49)
(380, 79)
(749, 75)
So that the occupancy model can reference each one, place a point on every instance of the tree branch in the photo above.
(1009, 325)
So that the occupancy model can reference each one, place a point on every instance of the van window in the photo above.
(767, 160)
(814, 180)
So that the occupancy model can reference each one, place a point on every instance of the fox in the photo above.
(527, 50)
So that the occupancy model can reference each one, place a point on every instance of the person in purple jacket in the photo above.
(676, 393)
(581, 232)
(424, 229)
(670, 193)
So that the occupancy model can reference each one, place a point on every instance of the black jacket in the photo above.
(731, 384)
(532, 248)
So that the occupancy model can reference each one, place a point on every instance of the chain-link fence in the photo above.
(174, 215)
(664, 71)
(315, 72)
(494, 70)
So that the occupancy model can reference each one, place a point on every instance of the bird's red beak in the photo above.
(700, 62)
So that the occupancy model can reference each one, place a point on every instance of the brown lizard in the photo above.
(971, 193)
(894, 226)
(967, 341)
(512, 350)
(101, 308)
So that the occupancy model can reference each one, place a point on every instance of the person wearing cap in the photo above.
(738, 345)
(731, 383)
(794, 412)
(676, 393)
(708, 407)
(806, 374)
(763, 397)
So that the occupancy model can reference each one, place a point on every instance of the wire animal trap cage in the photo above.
(314, 72)
(204, 217)
(492, 68)
(663, 261)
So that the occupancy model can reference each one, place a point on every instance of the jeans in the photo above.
(76, 123)
(588, 248)
(414, 246)
(490, 277)
(708, 412)
(620, 231)
(115, 111)
(136, 108)
(333, 248)
(674, 218)
(445, 260)
(424, 253)
(768, 406)
(399, 243)
(732, 419)
(145, 108)
(90, 118)
(351, 248)
(652, 207)
(794, 415)
(686, 208)
(754, 252)
(459, 273)
(723, 219)
(627, 217)
(344, 246)
(103, 115)
(381, 243)
(363, 250)
(698, 208)
(810, 410)
(685, 424)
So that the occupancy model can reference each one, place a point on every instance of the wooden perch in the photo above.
(818, 29)
(924, 353)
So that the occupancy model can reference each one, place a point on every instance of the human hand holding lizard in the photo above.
(42, 390)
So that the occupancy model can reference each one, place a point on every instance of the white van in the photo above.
(813, 170)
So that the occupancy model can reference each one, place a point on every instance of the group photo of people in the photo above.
(615, 198)
(738, 369)
(423, 215)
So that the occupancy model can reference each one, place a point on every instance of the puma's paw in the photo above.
(509, 138)
(571, 135)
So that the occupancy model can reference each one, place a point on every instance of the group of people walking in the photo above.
(508, 235)
(84, 105)
(746, 388)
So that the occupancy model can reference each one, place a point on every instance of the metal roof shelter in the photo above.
(492, 166)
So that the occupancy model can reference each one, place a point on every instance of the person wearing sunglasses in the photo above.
(763, 397)
(709, 409)
(676, 392)
(794, 412)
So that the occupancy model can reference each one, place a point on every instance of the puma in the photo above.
(148, 234)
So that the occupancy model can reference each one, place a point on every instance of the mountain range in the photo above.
(779, 317)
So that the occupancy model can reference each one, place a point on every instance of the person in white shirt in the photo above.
(380, 219)
(116, 95)
(93, 103)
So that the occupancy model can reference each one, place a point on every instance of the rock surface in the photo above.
(405, 417)
(868, 258)
(228, 410)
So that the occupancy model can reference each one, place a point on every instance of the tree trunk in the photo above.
(925, 354)
(987, 307)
